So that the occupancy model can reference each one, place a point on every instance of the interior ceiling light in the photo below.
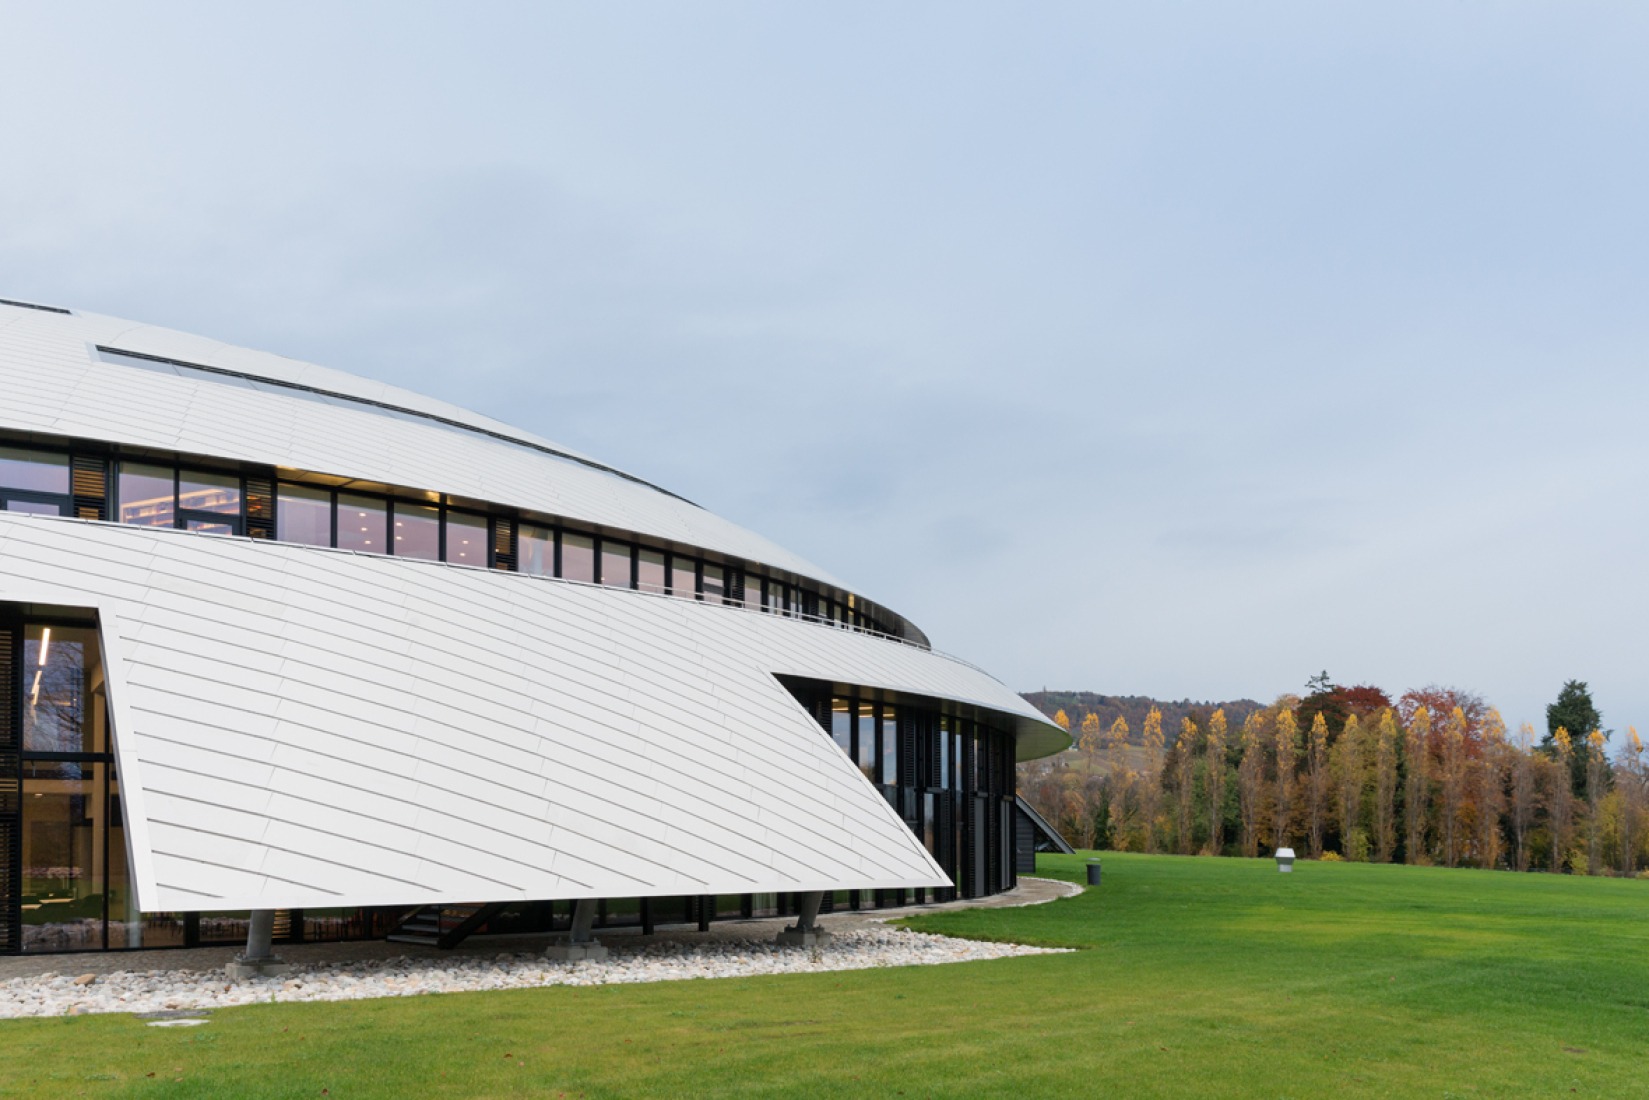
(45, 644)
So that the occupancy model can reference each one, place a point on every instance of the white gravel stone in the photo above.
(173, 990)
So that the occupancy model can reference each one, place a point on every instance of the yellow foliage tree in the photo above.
(1417, 786)
(1251, 782)
(1215, 782)
(1597, 780)
(1062, 720)
(1151, 777)
(1286, 741)
(1120, 780)
(1560, 808)
(1452, 779)
(1491, 790)
(1316, 782)
(1385, 787)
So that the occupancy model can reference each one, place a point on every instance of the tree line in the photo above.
(1346, 773)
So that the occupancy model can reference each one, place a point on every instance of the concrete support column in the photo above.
(581, 945)
(806, 931)
(259, 959)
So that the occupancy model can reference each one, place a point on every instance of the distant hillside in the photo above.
(1077, 704)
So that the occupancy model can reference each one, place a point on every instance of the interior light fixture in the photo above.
(34, 696)
(45, 644)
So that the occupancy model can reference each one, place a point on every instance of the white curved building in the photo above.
(274, 637)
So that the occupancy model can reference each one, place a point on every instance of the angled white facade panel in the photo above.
(302, 727)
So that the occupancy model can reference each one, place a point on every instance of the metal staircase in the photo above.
(443, 926)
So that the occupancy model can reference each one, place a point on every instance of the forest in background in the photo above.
(1348, 773)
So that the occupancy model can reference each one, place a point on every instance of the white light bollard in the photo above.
(1285, 860)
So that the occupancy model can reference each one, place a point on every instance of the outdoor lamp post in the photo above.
(1285, 860)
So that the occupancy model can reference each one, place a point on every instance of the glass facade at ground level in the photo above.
(64, 883)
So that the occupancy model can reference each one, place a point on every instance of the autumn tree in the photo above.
(1286, 741)
(1063, 721)
(1316, 782)
(1214, 782)
(1597, 785)
(1119, 780)
(1350, 777)
(1631, 779)
(1251, 782)
(1560, 804)
(1385, 787)
(1525, 795)
(1417, 785)
(1151, 787)
(1490, 789)
(1452, 783)
(1185, 765)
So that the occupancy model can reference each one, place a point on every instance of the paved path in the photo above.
(1030, 891)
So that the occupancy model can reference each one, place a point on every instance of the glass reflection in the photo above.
(841, 724)
(713, 583)
(867, 740)
(36, 471)
(684, 581)
(417, 531)
(304, 515)
(578, 558)
(535, 550)
(146, 495)
(63, 690)
(64, 845)
(650, 571)
(362, 523)
(205, 492)
(615, 564)
(34, 507)
(890, 746)
(466, 539)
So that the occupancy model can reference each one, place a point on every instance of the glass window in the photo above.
(890, 746)
(127, 926)
(615, 563)
(684, 580)
(35, 507)
(944, 752)
(303, 514)
(714, 583)
(362, 524)
(867, 740)
(752, 591)
(578, 558)
(417, 531)
(650, 571)
(146, 495)
(63, 690)
(535, 550)
(204, 492)
(841, 724)
(36, 471)
(466, 539)
(64, 819)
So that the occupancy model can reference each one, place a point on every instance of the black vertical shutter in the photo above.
(260, 507)
(503, 544)
(90, 485)
(735, 585)
(11, 800)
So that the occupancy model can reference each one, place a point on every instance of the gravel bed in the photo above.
(174, 991)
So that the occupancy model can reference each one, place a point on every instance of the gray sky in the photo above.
(1170, 349)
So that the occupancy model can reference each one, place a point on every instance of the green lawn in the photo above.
(1197, 977)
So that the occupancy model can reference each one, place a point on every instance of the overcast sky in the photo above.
(1172, 349)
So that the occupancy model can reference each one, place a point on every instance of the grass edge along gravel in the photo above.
(1197, 977)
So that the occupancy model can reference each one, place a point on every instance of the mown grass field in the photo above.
(1196, 977)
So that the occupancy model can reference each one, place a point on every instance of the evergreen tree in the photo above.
(1575, 712)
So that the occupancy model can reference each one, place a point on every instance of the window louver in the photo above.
(260, 508)
(11, 802)
(89, 481)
